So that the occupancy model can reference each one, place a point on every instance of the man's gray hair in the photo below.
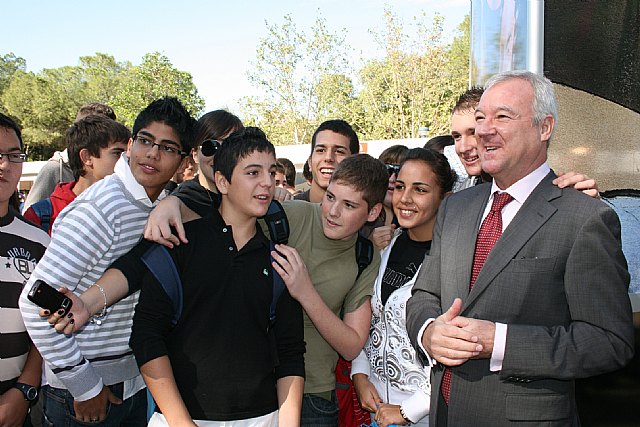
(544, 97)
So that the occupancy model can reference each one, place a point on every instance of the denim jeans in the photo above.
(319, 412)
(58, 409)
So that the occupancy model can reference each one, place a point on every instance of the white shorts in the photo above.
(269, 420)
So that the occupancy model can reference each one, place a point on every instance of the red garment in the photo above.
(350, 414)
(62, 195)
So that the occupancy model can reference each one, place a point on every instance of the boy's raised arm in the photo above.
(346, 337)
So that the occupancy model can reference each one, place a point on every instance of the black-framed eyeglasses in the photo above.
(149, 144)
(209, 147)
(14, 157)
(392, 169)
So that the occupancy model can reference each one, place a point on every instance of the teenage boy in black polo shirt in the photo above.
(215, 364)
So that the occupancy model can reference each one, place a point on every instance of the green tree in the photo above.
(46, 103)
(9, 65)
(103, 76)
(307, 80)
(414, 85)
(289, 67)
(458, 55)
(155, 77)
(338, 98)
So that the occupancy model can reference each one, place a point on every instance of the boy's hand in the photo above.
(289, 265)
(13, 408)
(281, 195)
(95, 409)
(381, 236)
(70, 322)
(165, 215)
(388, 414)
(579, 181)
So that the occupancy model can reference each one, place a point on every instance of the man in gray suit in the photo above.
(550, 302)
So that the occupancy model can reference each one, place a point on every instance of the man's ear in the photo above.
(221, 183)
(86, 158)
(546, 128)
(374, 212)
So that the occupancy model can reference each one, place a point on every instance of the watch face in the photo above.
(31, 393)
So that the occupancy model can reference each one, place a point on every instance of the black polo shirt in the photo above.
(219, 349)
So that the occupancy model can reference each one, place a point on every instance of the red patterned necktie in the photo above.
(489, 233)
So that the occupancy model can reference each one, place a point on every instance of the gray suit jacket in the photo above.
(557, 277)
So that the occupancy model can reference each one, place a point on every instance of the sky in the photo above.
(213, 40)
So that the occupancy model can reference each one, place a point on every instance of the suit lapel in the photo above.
(532, 215)
(465, 246)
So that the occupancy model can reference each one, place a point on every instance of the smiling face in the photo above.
(150, 167)
(330, 149)
(416, 199)
(9, 172)
(463, 125)
(510, 145)
(248, 195)
(344, 211)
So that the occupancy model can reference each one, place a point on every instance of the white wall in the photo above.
(299, 154)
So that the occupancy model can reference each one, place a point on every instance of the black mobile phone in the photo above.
(45, 296)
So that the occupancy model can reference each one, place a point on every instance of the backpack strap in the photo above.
(161, 265)
(364, 253)
(278, 288)
(277, 223)
(278, 226)
(44, 209)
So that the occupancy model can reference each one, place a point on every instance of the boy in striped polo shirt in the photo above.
(22, 245)
(94, 370)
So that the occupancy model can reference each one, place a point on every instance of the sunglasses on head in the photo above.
(392, 169)
(209, 147)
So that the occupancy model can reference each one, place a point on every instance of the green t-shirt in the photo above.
(333, 269)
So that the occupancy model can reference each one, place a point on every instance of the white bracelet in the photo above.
(97, 318)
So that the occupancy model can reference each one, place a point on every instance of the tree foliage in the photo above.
(155, 77)
(46, 103)
(413, 84)
(303, 76)
(289, 66)
(9, 65)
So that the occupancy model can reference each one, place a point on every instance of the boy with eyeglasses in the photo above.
(94, 370)
(21, 247)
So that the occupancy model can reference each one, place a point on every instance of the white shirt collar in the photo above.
(123, 171)
(521, 189)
